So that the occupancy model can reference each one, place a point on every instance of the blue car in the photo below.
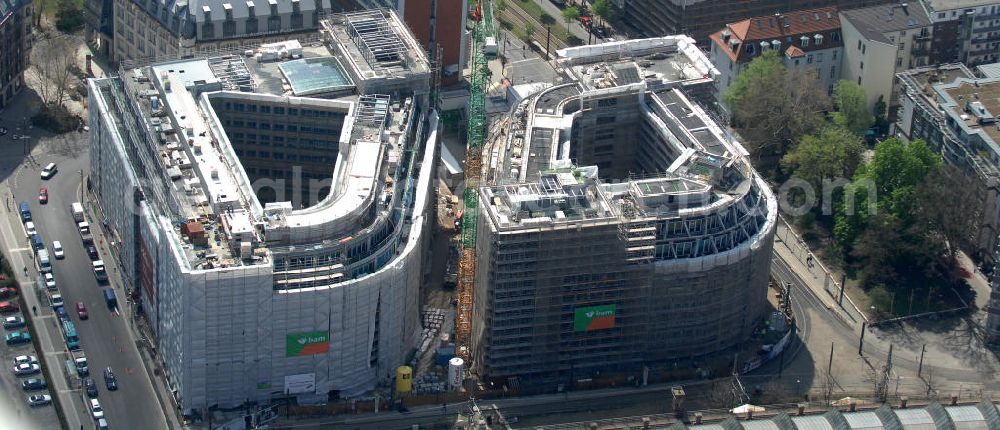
(18, 337)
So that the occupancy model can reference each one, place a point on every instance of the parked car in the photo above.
(25, 359)
(7, 292)
(43, 195)
(109, 379)
(91, 387)
(15, 321)
(92, 252)
(102, 424)
(95, 409)
(50, 281)
(17, 338)
(56, 300)
(8, 307)
(39, 400)
(81, 311)
(61, 313)
(29, 227)
(34, 384)
(49, 171)
(25, 369)
(57, 250)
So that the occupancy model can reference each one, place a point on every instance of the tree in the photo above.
(773, 107)
(951, 208)
(834, 153)
(570, 14)
(851, 102)
(53, 60)
(764, 67)
(605, 9)
(500, 6)
(529, 30)
(546, 20)
(69, 16)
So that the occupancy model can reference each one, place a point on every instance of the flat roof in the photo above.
(317, 75)
(986, 93)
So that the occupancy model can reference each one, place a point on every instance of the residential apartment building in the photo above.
(880, 41)
(437, 24)
(700, 18)
(805, 40)
(951, 109)
(964, 30)
(15, 47)
(955, 113)
(144, 31)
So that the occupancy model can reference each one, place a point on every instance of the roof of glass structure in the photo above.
(317, 75)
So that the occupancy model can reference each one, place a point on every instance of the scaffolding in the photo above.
(637, 233)
(475, 135)
(380, 46)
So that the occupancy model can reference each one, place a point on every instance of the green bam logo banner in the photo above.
(594, 318)
(307, 343)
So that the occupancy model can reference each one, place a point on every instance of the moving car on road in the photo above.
(49, 171)
(109, 379)
(43, 195)
(81, 310)
(57, 250)
(39, 400)
(34, 384)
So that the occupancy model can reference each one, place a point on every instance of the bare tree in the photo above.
(951, 207)
(53, 60)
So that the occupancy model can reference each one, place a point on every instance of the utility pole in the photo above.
(829, 364)
(861, 343)
(548, 37)
(920, 366)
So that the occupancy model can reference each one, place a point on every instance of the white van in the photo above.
(49, 171)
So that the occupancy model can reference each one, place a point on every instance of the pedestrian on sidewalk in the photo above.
(809, 260)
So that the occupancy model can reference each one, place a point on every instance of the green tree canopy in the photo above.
(570, 14)
(833, 153)
(605, 9)
(851, 102)
(765, 67)
(546, 19)
(891, 178)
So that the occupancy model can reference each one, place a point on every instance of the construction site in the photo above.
(609, 223)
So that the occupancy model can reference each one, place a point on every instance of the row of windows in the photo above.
(279, 110)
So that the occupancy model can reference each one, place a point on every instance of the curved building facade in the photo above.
(276, 241)
(658, 248)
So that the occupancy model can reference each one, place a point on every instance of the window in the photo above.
(902, 46)
(862, 65)
(899, 61)
(833, 72)
(942, 15)
(819, 57)
(834, 55)
(859, 80)
(805, 41)
(749, 49)
(859, 44)
(809, 59)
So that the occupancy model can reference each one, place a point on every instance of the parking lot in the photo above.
(14, 400)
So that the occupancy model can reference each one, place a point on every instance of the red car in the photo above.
(586, 21)
(81, 310)
(7, 292)
(43, 195)
(8, 307)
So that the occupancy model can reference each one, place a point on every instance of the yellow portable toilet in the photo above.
(404, 380)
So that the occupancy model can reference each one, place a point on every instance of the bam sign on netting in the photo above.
(594, 318)
(307, 343)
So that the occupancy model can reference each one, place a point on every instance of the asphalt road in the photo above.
(104, 337)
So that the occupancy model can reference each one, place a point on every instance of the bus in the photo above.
(69, 333)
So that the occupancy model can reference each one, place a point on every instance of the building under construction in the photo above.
(269, 210)
(623, 227)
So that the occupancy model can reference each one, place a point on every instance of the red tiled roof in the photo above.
(779, 27)
(794, 52)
